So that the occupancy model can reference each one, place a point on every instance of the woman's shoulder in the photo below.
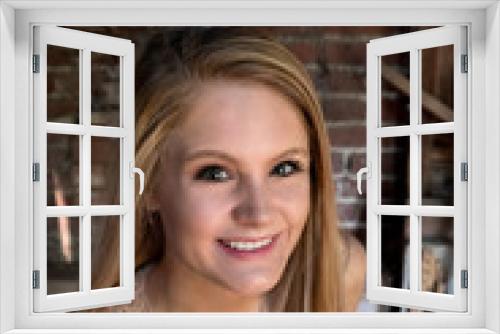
(140, 302)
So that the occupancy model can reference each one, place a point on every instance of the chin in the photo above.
(257, 286)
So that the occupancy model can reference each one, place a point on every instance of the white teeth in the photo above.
(248, 246)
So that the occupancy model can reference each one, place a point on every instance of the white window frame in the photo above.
(414, 43)
(16, 198)
(85, 43)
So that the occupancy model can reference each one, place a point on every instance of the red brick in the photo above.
(326, 51)
(345, 52)
(344, 109)
(337, 186)
(306, 51)
(293, 30)
(358, 161)
(348, 136)
(344, 30)
(339, 81)
(351, 212)
(349, 188)
(370, 30)
(337, 162)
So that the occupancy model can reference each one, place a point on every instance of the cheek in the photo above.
(294, 198)
(206, 212)
(196, 214)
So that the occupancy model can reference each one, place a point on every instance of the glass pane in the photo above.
(105, 81)
(395, 79)
(437, 84)
(437, 169)
(63, 170)
(105, 251)
(395, 155)
(394, 249)
(63, 84)
(63, 254)
(437, 254)
(105, 171)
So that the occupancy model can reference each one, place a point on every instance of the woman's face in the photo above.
(235, 190)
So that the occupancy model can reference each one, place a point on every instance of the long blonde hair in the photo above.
(178, 66)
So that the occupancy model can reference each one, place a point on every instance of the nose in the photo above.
(254, 206)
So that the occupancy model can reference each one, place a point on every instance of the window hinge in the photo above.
(464, 171)
(465, 66)
(36, 171)
(36, 63)
(36, 279)
(464, 279)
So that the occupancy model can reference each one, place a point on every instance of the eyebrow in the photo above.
(220, 154)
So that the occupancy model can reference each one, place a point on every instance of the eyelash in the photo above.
(206, 173)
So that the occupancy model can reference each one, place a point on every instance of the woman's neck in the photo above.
(173, 287)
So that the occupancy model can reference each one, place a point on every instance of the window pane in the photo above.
(394, 248)
(105, 81)
(105, 251)
(63, 254)
(63, 84)
(437, 84)
(395, 104)
(63, 170)
(105, 171)
(437, 169)
(437, 254)
(394, 161)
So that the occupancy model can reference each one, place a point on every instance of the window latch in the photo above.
(134, 170)
(359, 176)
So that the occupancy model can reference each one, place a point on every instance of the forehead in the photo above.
(241, 117)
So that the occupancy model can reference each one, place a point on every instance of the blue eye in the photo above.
(212, 173)
(286, 168)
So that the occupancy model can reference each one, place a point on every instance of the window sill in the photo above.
(255, 331)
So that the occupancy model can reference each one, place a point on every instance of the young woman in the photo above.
(238, 212)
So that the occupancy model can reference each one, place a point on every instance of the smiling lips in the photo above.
(248, 246)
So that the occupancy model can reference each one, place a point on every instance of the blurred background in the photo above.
(336, 59)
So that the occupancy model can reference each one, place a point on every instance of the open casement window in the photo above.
(420, 154)
(83, 170)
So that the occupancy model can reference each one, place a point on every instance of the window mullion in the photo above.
(40, 192)
(419, 129)
(460, 254)
(85, 272)
(414, 180)
(419, 210)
